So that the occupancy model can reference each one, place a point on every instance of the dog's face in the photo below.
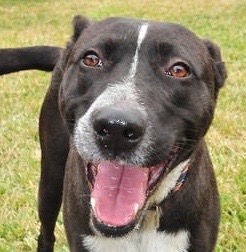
(137, 97)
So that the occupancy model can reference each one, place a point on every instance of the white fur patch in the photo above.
(142, 33)
(148, 241)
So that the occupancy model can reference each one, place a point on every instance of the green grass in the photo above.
(25, 23)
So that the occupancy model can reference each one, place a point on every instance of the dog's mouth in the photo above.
(120, 191)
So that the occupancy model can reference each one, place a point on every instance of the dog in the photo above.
(122, 133)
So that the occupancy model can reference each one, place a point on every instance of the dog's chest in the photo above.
(148, 241)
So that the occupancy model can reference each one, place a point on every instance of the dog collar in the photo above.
(181, 178)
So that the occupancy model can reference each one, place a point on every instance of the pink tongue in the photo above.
(118, 192)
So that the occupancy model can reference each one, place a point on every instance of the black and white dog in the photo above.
(122, 136)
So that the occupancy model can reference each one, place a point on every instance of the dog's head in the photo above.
(137, 97)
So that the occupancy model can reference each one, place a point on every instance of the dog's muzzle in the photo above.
(120, 189)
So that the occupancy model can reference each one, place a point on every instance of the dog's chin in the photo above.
(112, 231)
(120, 193)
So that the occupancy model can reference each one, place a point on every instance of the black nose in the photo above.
(118, 129)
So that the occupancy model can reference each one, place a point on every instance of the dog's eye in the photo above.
(91, 59)
(178, 70)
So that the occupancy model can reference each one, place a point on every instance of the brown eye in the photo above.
(179, 70)
(92, 60)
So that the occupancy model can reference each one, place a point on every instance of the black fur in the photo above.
(37, 57)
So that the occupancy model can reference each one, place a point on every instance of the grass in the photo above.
(47, 22)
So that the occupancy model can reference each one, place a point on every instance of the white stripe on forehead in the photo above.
(141, 35)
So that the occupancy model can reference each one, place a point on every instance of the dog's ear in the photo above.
(79, 24)
(219, 68)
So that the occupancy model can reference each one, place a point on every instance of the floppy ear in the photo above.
(218, 65)
(79, 24)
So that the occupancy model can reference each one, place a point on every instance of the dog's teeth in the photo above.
(136, 207)
(121, 162)
(93, 203)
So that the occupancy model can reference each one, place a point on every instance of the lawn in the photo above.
(48, 22)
